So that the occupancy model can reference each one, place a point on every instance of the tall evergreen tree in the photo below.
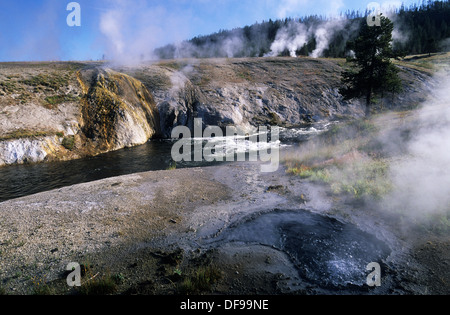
(372, 71)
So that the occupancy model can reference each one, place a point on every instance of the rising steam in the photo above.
(421, 180)
(132, 32)
(296, 35)
(291, 37)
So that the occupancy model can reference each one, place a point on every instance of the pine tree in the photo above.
(372, 71)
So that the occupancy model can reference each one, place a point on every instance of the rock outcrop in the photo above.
(117, 111)
(28, 150)
(92, 111)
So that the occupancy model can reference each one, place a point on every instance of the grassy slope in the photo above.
(427, 63)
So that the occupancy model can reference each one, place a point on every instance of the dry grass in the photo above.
(344, 159)
(426, 63)
(200, 280)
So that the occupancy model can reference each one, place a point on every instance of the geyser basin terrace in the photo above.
(145, 226)
(69, 110)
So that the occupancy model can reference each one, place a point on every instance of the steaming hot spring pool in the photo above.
(324, 251)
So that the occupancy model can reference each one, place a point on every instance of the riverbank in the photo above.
(155, 232)
(59, 111)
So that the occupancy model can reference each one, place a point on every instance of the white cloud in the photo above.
(289, 7)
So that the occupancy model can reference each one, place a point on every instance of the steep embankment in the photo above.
(65, 111)
(117, 111)
(247, 92)
(56, 111)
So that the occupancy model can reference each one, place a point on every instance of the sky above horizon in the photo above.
(37, 30)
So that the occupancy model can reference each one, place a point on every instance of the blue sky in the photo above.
(37, 29)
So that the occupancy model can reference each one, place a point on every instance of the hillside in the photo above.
(419, 29)
(65, 110)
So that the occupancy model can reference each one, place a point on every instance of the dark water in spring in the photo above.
(325, 251)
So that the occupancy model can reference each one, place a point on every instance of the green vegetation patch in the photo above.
(200, 280)
(429, 63)
(104, 285)
(55, 100)
(367, 178)
(8, 86)
(346, 159)
(69, 142)
(24, 133)
(175, 65)
(53, 81)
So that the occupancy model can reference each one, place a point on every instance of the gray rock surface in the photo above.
(144, 226)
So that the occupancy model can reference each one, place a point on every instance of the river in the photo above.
(23, 180)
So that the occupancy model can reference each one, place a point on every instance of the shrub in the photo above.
(23, 133)
(69, 143)
(59, 99)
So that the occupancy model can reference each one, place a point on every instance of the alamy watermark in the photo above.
(261, 144)
(74, 17)
(374, 14)
(374, 278)
(74, 277)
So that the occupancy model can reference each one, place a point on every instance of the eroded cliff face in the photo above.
(117, 111)
(92, 111)
(60, 111)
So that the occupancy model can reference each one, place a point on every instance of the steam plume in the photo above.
(295, 35)
(292, 37)
(132, 32)
(422, 180)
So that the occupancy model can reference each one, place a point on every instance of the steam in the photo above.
(400, 34)
(132, 32)
(229, 46)
(401, 168)
(324, 33)
(296, 35)
(422, 180)
(291, 37)
(40, 43)
(445, 45)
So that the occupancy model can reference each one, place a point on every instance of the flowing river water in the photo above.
(23, 180)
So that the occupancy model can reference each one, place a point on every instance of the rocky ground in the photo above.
(151, 234)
